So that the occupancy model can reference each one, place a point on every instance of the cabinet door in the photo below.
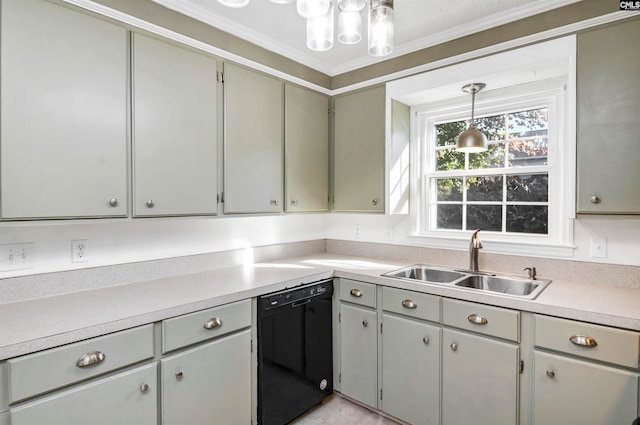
(569, 391)
(358, 354)
(253, 141)
(127, 398)
(608, 96)
(479, 380)
(411, 370)
(306, 150)
(359, 151)
(64, 113)
(209, 384)
(174, 130)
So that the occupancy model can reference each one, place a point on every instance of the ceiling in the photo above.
(418, 24)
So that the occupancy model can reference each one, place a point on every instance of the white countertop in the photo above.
(38, 324)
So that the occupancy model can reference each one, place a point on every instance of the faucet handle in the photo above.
(532, 272)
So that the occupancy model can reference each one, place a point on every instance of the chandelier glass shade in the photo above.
(349, 27)
(312, 8)
(320, 31)
(381, 27)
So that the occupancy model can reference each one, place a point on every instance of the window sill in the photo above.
(494, 246)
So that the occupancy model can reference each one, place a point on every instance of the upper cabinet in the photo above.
(253, 140)
(64, 113)
(174, 130)
(608, 66)
(359, 126)
(306, 150)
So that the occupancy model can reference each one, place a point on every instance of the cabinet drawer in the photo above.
(591, 341)
(357, 292)
(412, 304)
(202, 325)
(40, 372)
(484, 319)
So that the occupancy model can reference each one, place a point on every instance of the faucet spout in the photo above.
(474, 246)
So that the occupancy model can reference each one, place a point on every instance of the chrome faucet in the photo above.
(474, 246)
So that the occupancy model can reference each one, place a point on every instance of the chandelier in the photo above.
(320, 16)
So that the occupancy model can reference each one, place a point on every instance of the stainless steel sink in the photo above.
(426, 274)
(522, 288)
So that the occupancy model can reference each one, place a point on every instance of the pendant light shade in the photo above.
(381, 27)
(320, 31)
(349, 27)
(281, 1)
(472, 140)
(312, 8)
(234, 3)
(351, 5)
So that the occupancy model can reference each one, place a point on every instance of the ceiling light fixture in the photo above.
(472, 140)
(320, 18)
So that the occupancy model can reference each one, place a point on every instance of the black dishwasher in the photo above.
(295, 361)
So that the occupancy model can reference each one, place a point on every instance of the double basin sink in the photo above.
(504, 285)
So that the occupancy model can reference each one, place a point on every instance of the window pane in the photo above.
(449, 189)
(449, 217)
(449, 159)
(485, 217)
(528, 152)
(487, 188)
(531, 188)
(493, 127)
(447, 133)
(527, 219)
(492, 158)
(525, 124)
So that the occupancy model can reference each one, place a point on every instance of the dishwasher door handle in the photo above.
(299, 303)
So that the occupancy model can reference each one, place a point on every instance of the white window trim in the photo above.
(441, 84)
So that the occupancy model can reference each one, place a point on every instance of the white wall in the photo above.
(116, 242)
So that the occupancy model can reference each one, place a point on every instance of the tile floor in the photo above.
(336, 410)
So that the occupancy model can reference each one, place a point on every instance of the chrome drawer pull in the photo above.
(179, 375)
(356, 293)
(365, 323)
(583, 340)
(477, 319)
(454, 347)
(144, 388)
(551, 374)
(216, 322)
(90, 358)
(425, 340)
(409, 304)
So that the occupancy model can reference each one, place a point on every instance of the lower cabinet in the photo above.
(570, 391)
(359, 354)
(411, 370)
(210, 383)
(479, 380)
(126, 398)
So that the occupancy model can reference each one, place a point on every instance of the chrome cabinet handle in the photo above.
(594, 199)
(477, 319)
(365, 323)
(294, 202)
(425, 340)
(551, 374)
(113, 202)
(90, 358)
(454, 347)
(409, 304)
(179, 375)
(216, 322)
(274, 202)
(374, 202)
(356, 293)
(150, 203)
(583, 341)
(144, 388)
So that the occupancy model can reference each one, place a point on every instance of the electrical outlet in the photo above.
(388, 233)
(357, 231)
(16, 256)
(80, 250)
(599, 247)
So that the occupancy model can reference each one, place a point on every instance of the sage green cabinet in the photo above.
(608, 96)
(174, 130)
(359, 353)
(210, 383)
(570, 391)
(64, 113)
(127, 398)
(359, 166)
(411, 370)
(253, 141)
(306, 150)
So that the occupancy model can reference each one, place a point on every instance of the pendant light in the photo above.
(234, 3)
(472, 140)
(312, 8)
(351, 5)
(381, 27)
(349, 26)
(320, 31)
